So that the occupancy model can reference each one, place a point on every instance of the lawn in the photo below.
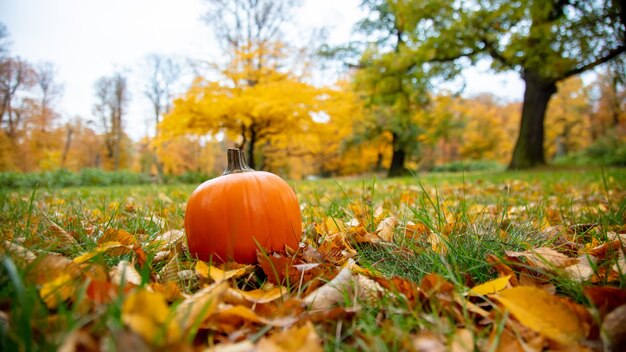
(481, 261)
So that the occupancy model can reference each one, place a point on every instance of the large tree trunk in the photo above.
(397, 158)
(529, 150)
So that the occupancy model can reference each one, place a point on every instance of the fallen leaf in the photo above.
(427, 342)
(146, 313)
(17, 251)
(331, 293)
(614, 329)
(58, 290)
(490, 287)
(544, 258)
(386, 229)
(503, 269)
(63, 238)
(167, 240)
(255, 296)
(462, 341)
(242, 346)
(196, 308)
(124, 273)
(542, 312)
(295, 339)
(583, 270)
(605, 298)
(219, 275)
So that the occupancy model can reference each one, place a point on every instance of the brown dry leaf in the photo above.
(167, 240)
(544, 313)
(462, 341)
(614, 329)
(605, 298)
(386, 229)
(583, 270)
(169, 273)
(333, 292)
(125, 272)
(277, 268)
(50, 266)
(358, 234)
(146, 313)
(295, 339)
(507, 341)
(432, 284)
(17, 251)
(63, 238)
(336, 249)
(428, 342)
(243, 346)
(103, 291)
(79, 340)
(545, 258)
(490, 287)
(398, 285)
(199, 306)
(416, 231)
(503, 269)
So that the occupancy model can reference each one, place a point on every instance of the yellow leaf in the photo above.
(490, 287)
(146, 313)
(301, 339)
(436, 243)
(102, 248)
(218, 275)
(57, 290)
(195, 309)
(257, 296)
(542, 312)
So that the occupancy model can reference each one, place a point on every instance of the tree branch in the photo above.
(611, 55)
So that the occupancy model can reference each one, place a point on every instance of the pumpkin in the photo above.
(231, 216)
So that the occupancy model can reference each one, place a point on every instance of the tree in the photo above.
(252, 115)
(112, 98)
(252, 101)
(16, 75)
(163, 73)
(567, 123)
(393, 88)
(545, 41)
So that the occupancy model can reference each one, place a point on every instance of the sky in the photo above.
(88, 39)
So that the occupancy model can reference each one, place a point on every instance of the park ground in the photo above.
(520, 260)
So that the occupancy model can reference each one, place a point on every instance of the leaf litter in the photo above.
(301, 299)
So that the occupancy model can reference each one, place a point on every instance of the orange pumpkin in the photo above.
(230, 216)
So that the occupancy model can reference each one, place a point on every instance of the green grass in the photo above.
(474, 214)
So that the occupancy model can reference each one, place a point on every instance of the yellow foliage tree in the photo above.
(567, 123)
(259, 108)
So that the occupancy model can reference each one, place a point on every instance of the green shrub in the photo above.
(469, 165)
(609, 150)
(191, 177)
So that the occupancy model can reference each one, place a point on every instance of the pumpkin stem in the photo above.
(236, 162)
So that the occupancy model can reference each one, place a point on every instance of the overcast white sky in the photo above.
(88, 39)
